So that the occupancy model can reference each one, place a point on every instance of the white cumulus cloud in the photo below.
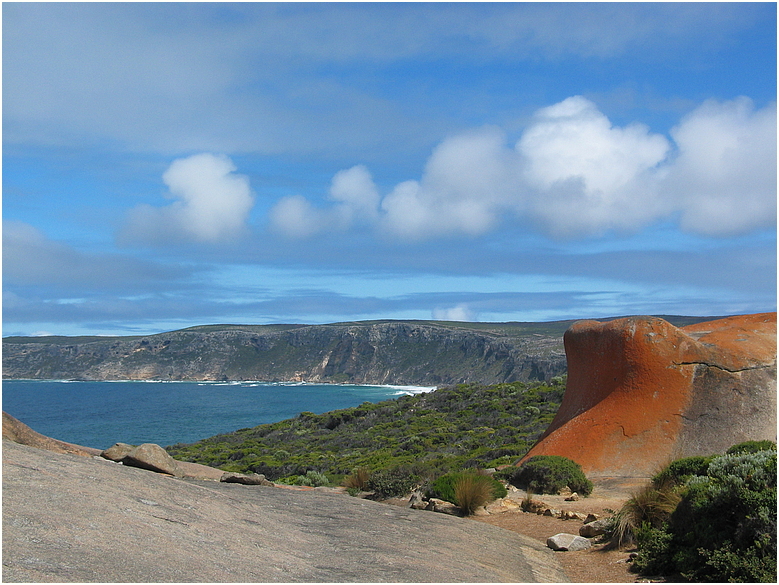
(572, 173)
(355, 202)
(212, 204)
(724, 178)
(585, 175)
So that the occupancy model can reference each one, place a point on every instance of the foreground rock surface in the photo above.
(642, 392)
(18, 432)
(75, 519)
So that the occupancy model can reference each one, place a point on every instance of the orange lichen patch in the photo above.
(631, 383)
(741, 341)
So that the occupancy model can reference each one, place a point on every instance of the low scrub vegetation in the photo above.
(712, 522)
(466, 489)
(420, 437)
(548, 474)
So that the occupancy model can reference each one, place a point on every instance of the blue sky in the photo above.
(169, 165)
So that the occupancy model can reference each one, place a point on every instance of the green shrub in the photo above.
(752, 447)
(548, 474)
(392, 483)
(445, 488)
(679, 471)
(724, 528)
(312, 478)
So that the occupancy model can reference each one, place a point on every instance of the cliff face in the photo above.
(642, 392)
(418, 353)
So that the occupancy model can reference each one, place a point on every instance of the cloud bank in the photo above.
(211, 204)
(572, 173)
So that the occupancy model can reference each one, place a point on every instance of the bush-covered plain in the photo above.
(449, 429)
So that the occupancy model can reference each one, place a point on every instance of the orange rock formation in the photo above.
(642, 392)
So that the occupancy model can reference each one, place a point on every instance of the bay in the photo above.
(99, 414)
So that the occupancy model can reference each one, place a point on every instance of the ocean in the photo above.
(99, 414)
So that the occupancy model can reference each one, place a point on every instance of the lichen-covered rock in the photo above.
(642, 392)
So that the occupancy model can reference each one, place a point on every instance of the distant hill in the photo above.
(425, 353)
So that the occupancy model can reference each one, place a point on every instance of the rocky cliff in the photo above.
(385, 352)
(642, 392)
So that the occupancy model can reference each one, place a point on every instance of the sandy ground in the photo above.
(598, 564)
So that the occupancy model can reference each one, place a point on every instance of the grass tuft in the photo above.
(472, 491)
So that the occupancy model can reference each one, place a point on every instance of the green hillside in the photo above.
(451, 428)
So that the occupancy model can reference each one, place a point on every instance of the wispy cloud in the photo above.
(32, 259)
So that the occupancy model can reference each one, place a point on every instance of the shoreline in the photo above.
(409, 387)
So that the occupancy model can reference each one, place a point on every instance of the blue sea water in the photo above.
(99, 414)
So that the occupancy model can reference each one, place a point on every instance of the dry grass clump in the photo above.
(472, 492)
(650, 505)
(358, 480)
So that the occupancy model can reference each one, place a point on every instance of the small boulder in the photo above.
(117, 451)
(567, 542)
(591, 518)
(595, 528)
(250, 479)
(436, 505)
(554, 513)
(533, 506)
(565, 491)
(152, 457)
(574, 497)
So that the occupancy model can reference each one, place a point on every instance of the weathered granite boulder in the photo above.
(574, 497)
(154, 458)
(642, 392)
(250, 479)
(117, 451)
(442, 506)
(567, 542)
(595, 528)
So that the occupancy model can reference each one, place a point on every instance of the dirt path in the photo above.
(594, 565)
(79, 519)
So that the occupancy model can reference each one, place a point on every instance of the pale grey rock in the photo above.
(567, 542)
